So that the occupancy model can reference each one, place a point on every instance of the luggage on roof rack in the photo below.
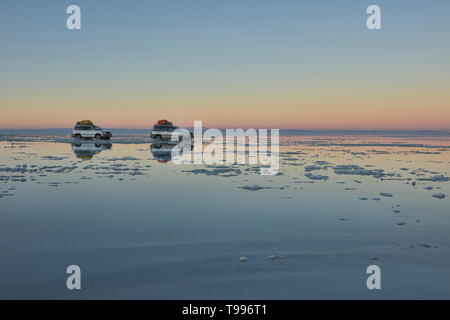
(85, 123)
(164, 123)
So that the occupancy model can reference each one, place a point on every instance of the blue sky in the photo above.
(175, 58)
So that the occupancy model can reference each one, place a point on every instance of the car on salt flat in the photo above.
(164, 130)
(89, 130)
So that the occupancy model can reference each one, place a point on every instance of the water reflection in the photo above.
(163, 151)
(87, 150)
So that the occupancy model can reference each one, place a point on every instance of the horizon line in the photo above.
(281, 129)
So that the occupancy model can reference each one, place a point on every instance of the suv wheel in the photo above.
(78, 136)
(158, 137)
(98, 137)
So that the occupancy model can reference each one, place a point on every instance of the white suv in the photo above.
(90, 131)
(165, 132)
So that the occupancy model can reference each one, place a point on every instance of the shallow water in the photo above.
(140, 226)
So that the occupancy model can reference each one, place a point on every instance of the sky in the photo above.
(230, 63)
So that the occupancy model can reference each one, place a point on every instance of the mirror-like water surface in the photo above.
(140, 226)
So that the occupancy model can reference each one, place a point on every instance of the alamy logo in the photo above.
(74, 20)
(74, 280)
(374, 20)
(374, 280)
(236, 146)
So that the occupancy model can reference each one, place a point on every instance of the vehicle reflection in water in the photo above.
(163, 151)
(87, 150)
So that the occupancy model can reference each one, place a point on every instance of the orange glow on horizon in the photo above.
(314, 110)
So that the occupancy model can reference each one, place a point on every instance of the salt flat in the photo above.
(140, 226)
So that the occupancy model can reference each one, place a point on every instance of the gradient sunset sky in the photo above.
(231, 63)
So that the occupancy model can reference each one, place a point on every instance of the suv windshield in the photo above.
(97, 128)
